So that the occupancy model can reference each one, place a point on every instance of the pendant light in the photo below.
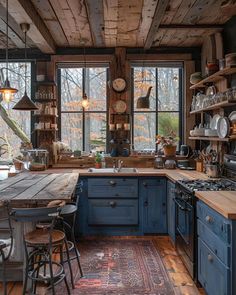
(143, 102)
(7, 91)
(25, 103)
(85, 101)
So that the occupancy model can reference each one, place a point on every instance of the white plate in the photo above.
(223, 127)
(232, 116)
(213, 122)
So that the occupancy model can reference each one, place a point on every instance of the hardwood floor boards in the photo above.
(178, 274)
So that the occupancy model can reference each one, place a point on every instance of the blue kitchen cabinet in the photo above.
(216, 251)
(152, 194)
(171, 210)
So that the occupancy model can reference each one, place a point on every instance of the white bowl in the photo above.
(191, 132)
(210, 132)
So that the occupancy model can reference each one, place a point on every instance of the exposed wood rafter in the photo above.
(159, 13)
(190, 27)
(95, 14)
(24, 11)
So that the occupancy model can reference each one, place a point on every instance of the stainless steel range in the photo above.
(185, 205)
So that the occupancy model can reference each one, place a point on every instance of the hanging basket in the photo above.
(169, 150)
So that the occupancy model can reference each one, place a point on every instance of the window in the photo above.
(16, 74)
(164, 114)
(84, 129)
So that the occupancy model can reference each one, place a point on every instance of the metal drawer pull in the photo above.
(113, 204)
(113, 183)
(210, 258)
(209, 219)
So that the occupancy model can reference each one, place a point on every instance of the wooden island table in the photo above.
(32, 190)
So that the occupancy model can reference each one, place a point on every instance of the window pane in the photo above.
(96, 88)
(71, 89)
(71, 131)
(16, 75)
(168, 89)
(95, 132)
(144, 77)
(168, 123)
(144, 131)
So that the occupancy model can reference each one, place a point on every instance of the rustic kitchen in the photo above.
(118, 147)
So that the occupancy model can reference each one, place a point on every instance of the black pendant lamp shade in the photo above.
(143, 102)
(25, 103)
(7, 91)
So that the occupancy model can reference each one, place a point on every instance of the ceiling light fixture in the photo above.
(7, 91)
(85, 101)
(25, 103)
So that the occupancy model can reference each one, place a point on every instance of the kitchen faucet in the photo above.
(120, 163)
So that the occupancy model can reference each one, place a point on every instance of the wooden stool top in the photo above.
(41, 237)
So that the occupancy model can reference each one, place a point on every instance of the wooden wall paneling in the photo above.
(48, 15)
(159, 14)
(96, 20)
(73, 18)
(110, 22)
(189, 120)
(24, 11)
(147, 15)
(128, 25)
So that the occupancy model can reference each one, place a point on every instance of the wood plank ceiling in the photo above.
(114, 23)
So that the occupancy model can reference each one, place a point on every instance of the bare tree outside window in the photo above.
(22, 118)
(84, 129)
(163, 116)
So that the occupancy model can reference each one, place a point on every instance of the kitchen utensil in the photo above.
(184, 150)
(195, 78)
(213, 122)
(223, 127)
(232, 116)
(212, 170)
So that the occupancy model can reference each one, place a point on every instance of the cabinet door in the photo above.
(171, 210)
(153, 198)
(212, 274)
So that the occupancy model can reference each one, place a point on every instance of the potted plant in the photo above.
(168, 143)
(98, 160)
(19, 162)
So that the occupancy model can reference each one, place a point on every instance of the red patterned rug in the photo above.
(120, 267)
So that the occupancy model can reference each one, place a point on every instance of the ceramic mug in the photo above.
(118, 126)
(112, 127)
(126, 126)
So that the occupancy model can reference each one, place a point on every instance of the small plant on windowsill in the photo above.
(168, 143)
(98, 160)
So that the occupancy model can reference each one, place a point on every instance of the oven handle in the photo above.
(180, 206)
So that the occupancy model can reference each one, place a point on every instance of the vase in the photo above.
(98, 165)
(170, 150)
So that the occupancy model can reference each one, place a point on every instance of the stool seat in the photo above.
(41, 237)
(68, 209)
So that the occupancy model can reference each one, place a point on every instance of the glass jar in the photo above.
(158, 163)
(37, 159)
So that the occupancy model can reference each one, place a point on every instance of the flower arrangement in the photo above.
(168, 143)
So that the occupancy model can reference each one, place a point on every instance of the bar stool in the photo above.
(39, 245)
(6, 244)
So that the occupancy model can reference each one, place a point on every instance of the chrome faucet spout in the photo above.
(120, 163)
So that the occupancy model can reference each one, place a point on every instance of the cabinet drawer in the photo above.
(214, 221)
(212, 274)
(112, 188)
(220, 249)
(112, 212)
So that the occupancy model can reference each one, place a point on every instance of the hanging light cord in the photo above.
(25, 61)
(7, 40)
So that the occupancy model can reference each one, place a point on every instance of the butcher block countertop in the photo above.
(224, 202)
(27, 188)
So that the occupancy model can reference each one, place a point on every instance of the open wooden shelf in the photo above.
(227, 139)
(45, 115)
(45, 130)
(215, 77)
(46, 83)
(222, 104)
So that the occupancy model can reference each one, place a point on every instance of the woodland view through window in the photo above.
(84, 129)
(16, 75)
(164, 114)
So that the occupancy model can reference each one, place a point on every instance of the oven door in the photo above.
(185, 232)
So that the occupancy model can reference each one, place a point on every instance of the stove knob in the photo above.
(209, 219)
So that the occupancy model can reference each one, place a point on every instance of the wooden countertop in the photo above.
(174, 175)
(37, 188)
(224, 202)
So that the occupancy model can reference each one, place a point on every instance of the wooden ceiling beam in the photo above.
(189, 27)
(95, 14)
(24, 11)
(158, 15)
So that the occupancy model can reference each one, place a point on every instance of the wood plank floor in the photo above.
(178, 274)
